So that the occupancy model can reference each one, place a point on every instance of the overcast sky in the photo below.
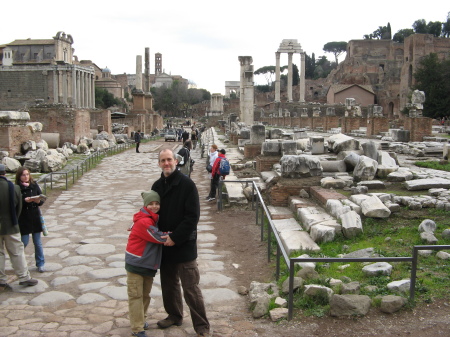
(201, 40)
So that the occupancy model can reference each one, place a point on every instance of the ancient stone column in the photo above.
(277, 78)
(74, 87)
(138, 72)
(82, 105)
(289, 88)
(246, 114)
(55, 86)
(217, 103)
(78, 104)
(302, 84)
(60, 95)
(147, 70)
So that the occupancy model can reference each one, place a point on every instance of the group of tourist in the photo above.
(20, 217)
(164, 236)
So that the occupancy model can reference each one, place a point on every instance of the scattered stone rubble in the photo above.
(356, 167)
(37, 157)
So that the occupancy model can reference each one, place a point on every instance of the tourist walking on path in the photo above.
(30, 217)
(179, 214)
(142, 259)
(185, 136)
(185, 153)
(10, 208)
(194, 138)
(137, 140)
(216, 176)
(213, 154)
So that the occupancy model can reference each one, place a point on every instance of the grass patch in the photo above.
(436, 165)
(391, 237)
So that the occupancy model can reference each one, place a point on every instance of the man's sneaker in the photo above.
(146, 326)
(167, 322)
(29, 283)
(41, 269)
(139, 334)
(207, 198)
(211, 199)
(205, 334)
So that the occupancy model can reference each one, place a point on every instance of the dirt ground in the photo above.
(237, 231)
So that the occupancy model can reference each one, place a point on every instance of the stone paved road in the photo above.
(83, 292)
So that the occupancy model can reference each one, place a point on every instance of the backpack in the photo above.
(224, 167)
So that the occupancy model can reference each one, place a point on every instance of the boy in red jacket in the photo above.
(142, 259)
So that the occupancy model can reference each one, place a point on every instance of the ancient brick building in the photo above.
(46, 70)
(388, 67)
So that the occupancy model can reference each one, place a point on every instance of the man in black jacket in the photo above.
(137, 140)
(179, 214)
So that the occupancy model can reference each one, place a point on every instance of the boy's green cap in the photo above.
(150, 196)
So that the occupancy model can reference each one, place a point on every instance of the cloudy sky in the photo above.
(202, 40)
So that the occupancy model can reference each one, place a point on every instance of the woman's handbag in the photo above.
(209, 168)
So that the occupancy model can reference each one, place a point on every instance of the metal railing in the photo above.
(290, 262)
(83, 166)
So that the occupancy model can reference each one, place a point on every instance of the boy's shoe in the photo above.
(29, 283)
(167, 322)
(41, 269)
(5, 287)
(146, 326)
(139, 334)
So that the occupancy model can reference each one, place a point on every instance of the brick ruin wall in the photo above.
(71, 124)
(12, 137)
(101, 120)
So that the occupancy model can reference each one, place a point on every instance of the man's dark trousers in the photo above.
(187, 272)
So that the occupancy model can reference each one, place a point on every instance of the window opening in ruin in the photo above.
(410, 72)
(382, 66)
(316, 94)
(35, 56)
(311, 88)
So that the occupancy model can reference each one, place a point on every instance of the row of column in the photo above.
(75, 86)
(290, 72)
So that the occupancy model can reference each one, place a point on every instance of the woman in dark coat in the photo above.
(30, 217)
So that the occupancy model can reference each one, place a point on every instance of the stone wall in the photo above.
(19, 89)
(352, 123)
(322, 195)
(71, 124)
(101, 120)
(280, 193)
(325, 122)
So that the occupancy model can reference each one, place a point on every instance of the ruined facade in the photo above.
(46, 70)
(388, 67)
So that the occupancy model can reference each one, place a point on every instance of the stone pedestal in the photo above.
(257, 134)
(317, 145)
(265, 163)
(418, 127)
